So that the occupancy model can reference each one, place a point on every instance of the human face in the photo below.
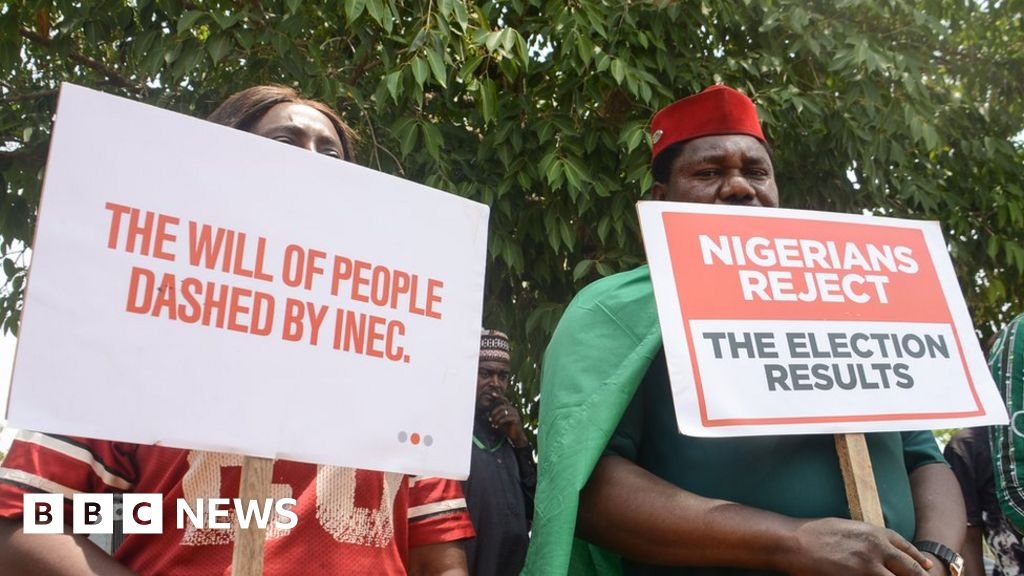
(728, 169)
(302, 126)
(491, 382)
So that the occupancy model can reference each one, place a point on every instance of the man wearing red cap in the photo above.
(653, 501)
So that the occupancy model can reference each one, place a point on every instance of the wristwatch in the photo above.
(953, 561)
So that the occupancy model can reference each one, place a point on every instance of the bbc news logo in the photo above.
(144, 514)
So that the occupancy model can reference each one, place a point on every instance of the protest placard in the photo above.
(201, 287)
(783, 322)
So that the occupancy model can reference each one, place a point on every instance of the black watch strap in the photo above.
(947, 555)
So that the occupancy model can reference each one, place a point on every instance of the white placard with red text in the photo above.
(783, 321)
(200, 287)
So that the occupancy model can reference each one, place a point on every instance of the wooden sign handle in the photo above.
(859, 478)
(255, 485)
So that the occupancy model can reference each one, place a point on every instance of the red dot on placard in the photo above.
(414, 438)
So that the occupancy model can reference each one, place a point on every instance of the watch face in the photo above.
(956, 565)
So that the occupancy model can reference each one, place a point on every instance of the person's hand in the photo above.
(833, 546)
(938, 568)
(505, 417)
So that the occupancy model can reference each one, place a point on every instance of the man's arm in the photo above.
(52, 554)
(443, 559)
(974, 556)
(627, 509)
(527, 479)
(938, 507)
(435, 540)
(507, 418)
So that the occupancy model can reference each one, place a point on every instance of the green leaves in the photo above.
(219, 46)
(380, 13)
(353, 8)
(618, 70)
(392, 80)
(582, 268)
(488, 100)
(436, 62)
(420, 70)
(541, 110)
(507, 43)
(189, 19)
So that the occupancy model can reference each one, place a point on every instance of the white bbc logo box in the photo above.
(93, 514)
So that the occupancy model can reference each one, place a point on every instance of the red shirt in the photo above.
(349, 521)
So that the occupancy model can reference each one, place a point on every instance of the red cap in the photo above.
(718, 109)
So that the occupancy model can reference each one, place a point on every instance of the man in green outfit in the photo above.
(1006, 361)
(652, 501)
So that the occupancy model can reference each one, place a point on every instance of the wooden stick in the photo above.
(859, 478)
(255, 485)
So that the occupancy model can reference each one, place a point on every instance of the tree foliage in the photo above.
(539, 108)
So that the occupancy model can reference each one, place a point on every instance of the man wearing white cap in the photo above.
(503, 475)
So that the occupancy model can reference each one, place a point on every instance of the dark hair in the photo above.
(661, 166)
(244, 109)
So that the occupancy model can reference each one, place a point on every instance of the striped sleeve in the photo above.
(1006, 362)
(62, 465)
(437, 512)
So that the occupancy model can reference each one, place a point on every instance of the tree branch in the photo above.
(112, 76)
(31, 95)
(30, 152)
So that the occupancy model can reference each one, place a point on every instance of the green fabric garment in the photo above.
(794, 475)
(593, 365)
(597, 358)
(1006, 361)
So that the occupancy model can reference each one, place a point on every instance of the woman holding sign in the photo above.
(323, 519)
